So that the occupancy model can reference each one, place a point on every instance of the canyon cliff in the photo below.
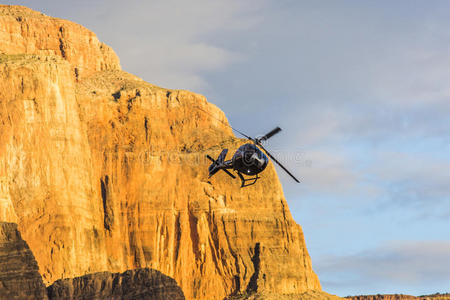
(103, 171)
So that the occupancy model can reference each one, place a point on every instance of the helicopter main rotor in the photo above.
(257, 142)
(267, 136)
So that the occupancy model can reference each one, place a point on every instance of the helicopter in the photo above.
(248, 160)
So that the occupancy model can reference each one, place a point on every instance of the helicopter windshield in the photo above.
(250, 160)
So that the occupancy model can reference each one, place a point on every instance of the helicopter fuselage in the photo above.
(249, 160)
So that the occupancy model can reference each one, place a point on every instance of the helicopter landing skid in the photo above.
(244, 181)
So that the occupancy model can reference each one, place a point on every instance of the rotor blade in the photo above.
(270, 134)
(223, 122)
(273, 158)
(243, 134)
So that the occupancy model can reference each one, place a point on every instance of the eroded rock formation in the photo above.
(25, 31)
(19, 276)
(105, 172)
(309, 295)
(132, 284)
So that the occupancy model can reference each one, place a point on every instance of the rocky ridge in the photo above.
(400, 297)
(105, 172)
(132, 284)
(20, 279)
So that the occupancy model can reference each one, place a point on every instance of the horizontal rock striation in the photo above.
(19, 276)
(132, 284)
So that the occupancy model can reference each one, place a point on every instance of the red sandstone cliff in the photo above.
(105, 172)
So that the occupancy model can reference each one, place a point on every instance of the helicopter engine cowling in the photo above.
(249, 160)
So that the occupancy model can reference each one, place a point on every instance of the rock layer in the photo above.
(133, 284)
(309, 295)
(105, 172)
(19, 276)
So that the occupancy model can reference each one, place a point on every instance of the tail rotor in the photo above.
(219, 164)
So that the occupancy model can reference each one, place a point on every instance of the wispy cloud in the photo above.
(392, 268)
(415, 181)
(172, 43)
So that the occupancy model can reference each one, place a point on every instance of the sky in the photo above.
(361, 90)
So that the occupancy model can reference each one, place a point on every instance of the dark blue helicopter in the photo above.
(248, 160)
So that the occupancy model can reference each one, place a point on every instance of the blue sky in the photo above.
(361, 90)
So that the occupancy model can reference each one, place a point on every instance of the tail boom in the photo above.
(219, 164)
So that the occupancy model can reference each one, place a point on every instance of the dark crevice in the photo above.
(146, 128)
(168, 93)
(253, 284)
(177, 238)
(130, 103)
(108, 216)
(77, 74)
(61, 48)
(61, 42)
(236, 284)
(116, 95)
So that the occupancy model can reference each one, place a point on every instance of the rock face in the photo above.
(105, 172)
(19, 276)
(25, 31)
(309, 295)
(132, 284)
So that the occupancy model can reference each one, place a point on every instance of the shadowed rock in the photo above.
(132, 284)
(19, 276)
